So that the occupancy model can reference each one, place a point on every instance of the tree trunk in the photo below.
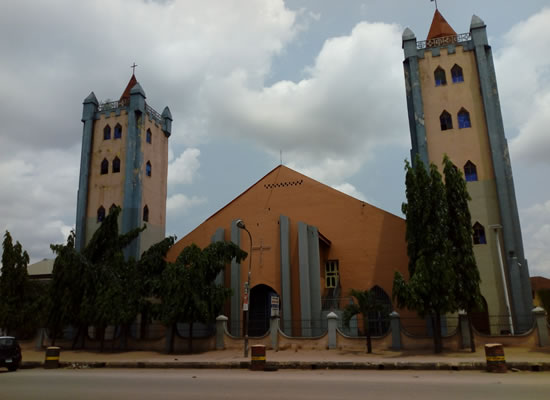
(190, 340)
(472, 338)
(436, 323)
(367, 333)
(101, 334)
(125, 328)
(173, 329)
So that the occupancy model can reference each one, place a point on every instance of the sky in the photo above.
(318, 81)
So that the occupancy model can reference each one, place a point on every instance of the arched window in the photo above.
(146, 214)
(112, 208)
(479, 234)
(148, 136)
(148, 168)
(116, 165)
(118, 131)
(456, 73)
(379, 321)
(107, 133)
(100, 214)
(446, 121)
(470, 171)
(439, 76)
(464, 119)
(104, 167)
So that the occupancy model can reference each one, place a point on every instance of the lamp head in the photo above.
(240, 224)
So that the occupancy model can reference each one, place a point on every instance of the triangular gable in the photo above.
(131, 84)
(440, 27)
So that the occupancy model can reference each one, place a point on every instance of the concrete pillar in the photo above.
(541, 325)
(305, 291)
(219, 237)
(332, 320)
(464, 330)
(274, 332)
(395, 323)
(236, 283)
(221, 328)
(286, 295)
(314, 279)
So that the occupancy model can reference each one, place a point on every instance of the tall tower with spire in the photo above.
(124, 162)
(454, 109)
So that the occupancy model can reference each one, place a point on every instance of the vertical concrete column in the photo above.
(219, 237)
(221, 327)
(314, 279)
(305, 293)
(332, 322)
(274, 332)
(395, 323)
(464, 330)
(236, 283)
(286, 295)
(542, 326)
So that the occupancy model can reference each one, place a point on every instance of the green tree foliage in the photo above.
(20, 299)
(466, 285)
(188, 289)
(429, 290)
(365, 303)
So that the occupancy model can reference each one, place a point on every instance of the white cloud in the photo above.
(523, 68)
(180, 204)
(184, 168)
(351, 190)
(536, 228)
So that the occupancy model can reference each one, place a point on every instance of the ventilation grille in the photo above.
(283, 184)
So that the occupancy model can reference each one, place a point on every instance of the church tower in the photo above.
(454, 109)
(124, 163)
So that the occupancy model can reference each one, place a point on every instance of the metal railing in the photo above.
(443, 41)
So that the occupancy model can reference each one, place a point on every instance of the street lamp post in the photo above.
(240, 224)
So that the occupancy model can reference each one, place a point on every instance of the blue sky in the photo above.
(321, 81)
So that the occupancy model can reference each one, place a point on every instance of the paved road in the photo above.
(289, 384)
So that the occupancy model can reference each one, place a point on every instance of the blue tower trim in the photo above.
(88, 116)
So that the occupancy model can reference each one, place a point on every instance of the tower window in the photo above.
(118, 131)
(470, 171)
(446, 121)
(100, 214)
(331, 274)
(439, 76)
(464, 119)
(148, 136)
(104, 167)
(456, 73)
(107, 133)
(148, 169)
(146, 214)
(479, 234)
(116, 165)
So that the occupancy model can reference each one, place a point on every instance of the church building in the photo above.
(454, 109)
(124, 162)
(310, 245)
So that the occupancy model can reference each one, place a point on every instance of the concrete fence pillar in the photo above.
(332, 320)
(274, 324)
(541, 325)
(221, 327)
(395, 323)
(464, 329)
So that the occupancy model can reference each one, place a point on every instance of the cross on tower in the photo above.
(261, 248)
(133, 66)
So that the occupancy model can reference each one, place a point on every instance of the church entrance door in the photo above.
(260, 309)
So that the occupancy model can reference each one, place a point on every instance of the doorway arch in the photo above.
(260, 309)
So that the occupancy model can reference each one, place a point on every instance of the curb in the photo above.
(301, 365)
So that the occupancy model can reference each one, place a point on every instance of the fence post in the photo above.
(221, 327)
(274, 332)
(395, 323)
(332, 321)
(542, 328)
(464, 329)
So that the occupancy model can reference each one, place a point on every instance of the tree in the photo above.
(467, 279)
(188, 289)
(429, 289)
(365, 304)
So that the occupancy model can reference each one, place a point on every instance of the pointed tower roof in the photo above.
(440, 27)
(131, 84)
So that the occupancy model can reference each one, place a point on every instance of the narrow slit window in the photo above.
(446, 121)
(464, 119)
(148, 169)
(118, 131)
(116, 165)
(107, 133)
(146, 214)
(104, 167)
(470, 172)
(148, 136)
(456, 73)
(439, 76)
(479, 234)
(100, 214)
